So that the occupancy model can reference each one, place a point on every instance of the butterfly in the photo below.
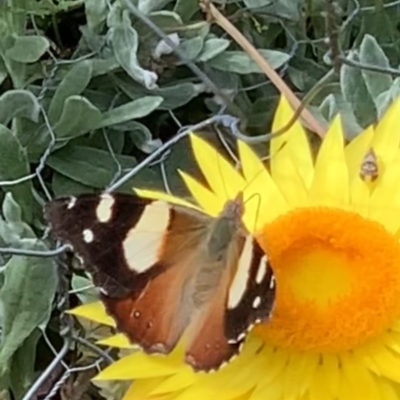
(166, 271)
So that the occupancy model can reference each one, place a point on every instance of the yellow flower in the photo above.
(333, 241)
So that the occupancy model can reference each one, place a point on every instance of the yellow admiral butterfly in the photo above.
(165, 270)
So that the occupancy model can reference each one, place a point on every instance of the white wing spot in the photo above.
(105, 207)
(223, 365)
(71, 203)
(143, 242)
(103, 291)
(262, 269)
(250, 327)
(239, 282)
(88, 236)
(272, 283)
(257, 302)
(241, 337)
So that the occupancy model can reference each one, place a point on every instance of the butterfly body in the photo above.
(165, 270)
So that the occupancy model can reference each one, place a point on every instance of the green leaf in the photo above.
(74, 83)
(241, 63)
(328, 107)
(178, 94)
(78, 117)
(63, 186)
(213, 47)
(84, 289)
(288, 9)
(13, 231)
(28, 49)
(142, 138)
(191, 48)
(132, 110)
(18, 103)
(22, 371)
(93, 167)
(102, 67)
(147, 6)
(3, 71)
(175, 94)
(355, 92)
(257, 3)
(96, 13)
(371, 53)
(26, 298)
(386, 98)
(124, 41)
(14, 165)
(186, 8)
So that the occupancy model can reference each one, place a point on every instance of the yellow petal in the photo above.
(272, 391)
(263, 200)
(387, 392)
(356, 150)
(181, 380)
(296, 141)
(153, 194)
(139, 366)
(263, 203)
(207, 200)
(93, 311)
(387, 363)
(298, 374)
(318, 390)
(192, 393)
(330, 186)
(141, 388)
(251, 164)
(330, 374)
(387, 139)
(358, 378)
(272, 364)
(385, 200)
(119, 340)
(222, 177)
(392, 340)
(346, 392)
(289, 180)
(240, 376)
(360, 196)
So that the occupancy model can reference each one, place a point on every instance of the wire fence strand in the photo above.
(157, 157)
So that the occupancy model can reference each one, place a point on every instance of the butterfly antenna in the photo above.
(257, 195)
(218, 157)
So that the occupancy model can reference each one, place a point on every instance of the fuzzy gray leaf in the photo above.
(371, 53)
(26, 297)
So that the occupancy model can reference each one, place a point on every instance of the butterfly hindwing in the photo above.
(251, 293)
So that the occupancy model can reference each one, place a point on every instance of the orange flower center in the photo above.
(338, 279)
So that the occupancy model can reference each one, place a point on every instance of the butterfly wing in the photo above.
(208, 347)
(244, 295)
(251, 294)
(139, 252)
(157, 278)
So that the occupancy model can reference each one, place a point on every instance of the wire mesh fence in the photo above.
(61, 370)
